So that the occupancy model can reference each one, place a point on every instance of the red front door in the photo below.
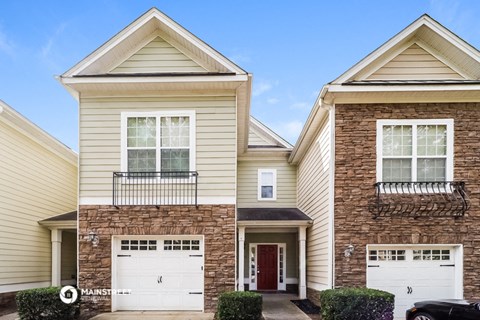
(267, 267)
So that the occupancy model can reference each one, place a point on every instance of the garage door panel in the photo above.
(421, 274)
(162, 277)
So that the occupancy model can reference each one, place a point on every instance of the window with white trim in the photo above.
(414, 150)
(160, 141)
(267, 184)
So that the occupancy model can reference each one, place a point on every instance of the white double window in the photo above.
(158, 141)
(414, 150)
(267, 184)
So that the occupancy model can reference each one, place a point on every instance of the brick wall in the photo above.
(215, 222)
(355, 174)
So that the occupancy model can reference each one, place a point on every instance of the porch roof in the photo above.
(271, 214)
(62, 221)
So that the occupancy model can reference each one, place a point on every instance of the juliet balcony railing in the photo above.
(155, 188)
(418, 199)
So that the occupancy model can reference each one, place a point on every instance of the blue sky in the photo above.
(292, 47)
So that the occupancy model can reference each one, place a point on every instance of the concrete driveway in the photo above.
(154, 315)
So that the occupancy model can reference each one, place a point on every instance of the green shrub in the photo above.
(239, 305)
(45, 304)
(356, 303)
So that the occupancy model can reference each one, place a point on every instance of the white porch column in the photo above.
(56, 257)
(302, 263)
(241, 258)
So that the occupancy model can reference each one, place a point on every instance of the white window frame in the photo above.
(259, 184)
(414, 123)
(158, 115)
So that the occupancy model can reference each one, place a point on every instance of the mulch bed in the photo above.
(306, 306)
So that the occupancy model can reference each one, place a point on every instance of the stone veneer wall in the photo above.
(355, 174)
(215, 222)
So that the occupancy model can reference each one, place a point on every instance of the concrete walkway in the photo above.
(10, 316)
(277, 306)
(154, 315)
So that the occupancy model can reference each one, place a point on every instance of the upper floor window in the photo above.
(267, 184)
(414, 150)
(159, 141)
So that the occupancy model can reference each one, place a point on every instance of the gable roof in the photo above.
(12, 118)
(261, 136)
(142, 31)
(432, 37)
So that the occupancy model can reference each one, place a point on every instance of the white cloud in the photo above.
(6, 45)
(289, 130)
(273, 100)
(262, 86)
(46, 51)
(300, 105)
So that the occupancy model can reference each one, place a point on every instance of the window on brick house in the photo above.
(158, 142)
(414, 150)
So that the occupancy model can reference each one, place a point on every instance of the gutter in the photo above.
(319, 110)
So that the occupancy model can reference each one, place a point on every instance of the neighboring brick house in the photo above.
(393, 147)
(168, 152)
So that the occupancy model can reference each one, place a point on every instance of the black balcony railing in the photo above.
(417, 199)
(155, 188)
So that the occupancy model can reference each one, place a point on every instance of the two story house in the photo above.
(169, 160)
(183, 195)
(392, 147)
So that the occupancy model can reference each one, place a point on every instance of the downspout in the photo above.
(327, 102)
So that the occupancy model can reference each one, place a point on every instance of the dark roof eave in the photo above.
(410, 82)
(170, 74)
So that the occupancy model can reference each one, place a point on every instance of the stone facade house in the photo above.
(183, 195)
(393, 145)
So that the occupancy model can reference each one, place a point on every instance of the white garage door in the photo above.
(412, 274)
(163, 273)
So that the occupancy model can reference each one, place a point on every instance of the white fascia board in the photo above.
(137, 24)
(334, 88)
(405, 33)
(139, 79)
(315, 118)
(424, 20)
(66, 224)
(110, 44)
(217, 56)
(21, 124)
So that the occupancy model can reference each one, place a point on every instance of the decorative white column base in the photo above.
(56, 257)
(241, 258)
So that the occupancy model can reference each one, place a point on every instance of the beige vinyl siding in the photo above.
(414, 64)
(34, 184)
(256, 140)
(158, 56)
(247, 196)
(313, 199)
(69, 255)
(100, 141)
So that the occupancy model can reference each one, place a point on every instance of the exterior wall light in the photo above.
(93, 238)
(349, 251)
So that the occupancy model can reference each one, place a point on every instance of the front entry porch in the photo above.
(271, 250)
(63, 230)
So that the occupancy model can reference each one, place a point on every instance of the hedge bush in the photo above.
(239, 305)
(45, 304)
(356, 303)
